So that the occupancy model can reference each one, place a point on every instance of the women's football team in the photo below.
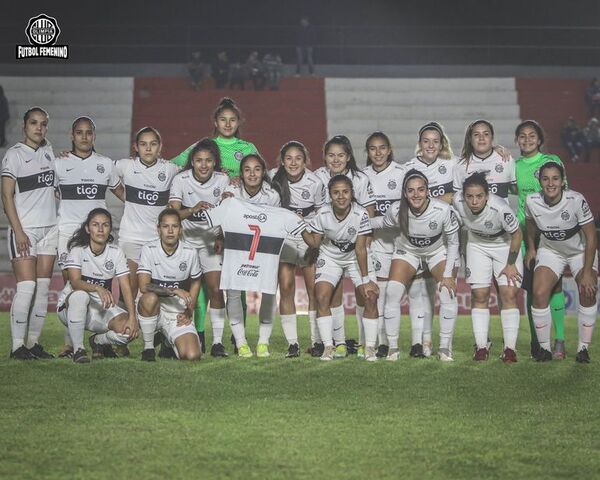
(395, 229)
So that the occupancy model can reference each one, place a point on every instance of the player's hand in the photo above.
(503, 152)
(201, 205)
(227, 195)
(588, 284)
(235, 181)
(512, 275)
(219, 245)
(185, 296)
(132, 328)
(64, 153)
(23, 244)
(449, 284)
(369, 290)
(105, 297)
(184, 318)
(529, 257)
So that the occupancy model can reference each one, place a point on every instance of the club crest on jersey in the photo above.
(109, 265)
(183, 266)
(100, 168)
(351, 231)
(442, 169)
(433, 225)
(162, 176)
(565, 215)
(392, 185)
(320, 262)
(467, 272)
(499, 168)
(217, 192)
(488, 224)
(238, 155)
(63, 257)
(305, 194)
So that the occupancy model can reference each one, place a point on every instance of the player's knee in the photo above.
(446, 298)
(80, 297)
(481, 296)
(148, 303)
(541, 296)
(190, 355)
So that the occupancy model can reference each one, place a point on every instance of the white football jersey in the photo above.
(560, 224)
(363, 192)
(426, 231)
(339, 236)
(170, 271)
(306, 194)
(35, 177)
(439, 173)
(493, 225)
(82, 184)
(499, 174)
(254, 235)
(265, 196)
(95, 269)
(387, 189)
(146, 195)
(189, 191)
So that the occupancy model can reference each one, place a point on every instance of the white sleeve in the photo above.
(458, 176)
(320, 194)
(145, 265)
(390, 219)
(74, 258)
(216, 216)
(451, 223)
(121, 264)
(513, 173)
(527, 209)
(9, 166)
(195, 270)
(315, 224)
(176, 192)
(509, 220)
(364, 191)
(294, 223)
(584, 215)
(364, 228)
(113, 177)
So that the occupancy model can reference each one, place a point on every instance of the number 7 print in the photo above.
(255, 240)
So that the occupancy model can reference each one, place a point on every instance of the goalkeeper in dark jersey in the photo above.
(227, 118)
(530, 138)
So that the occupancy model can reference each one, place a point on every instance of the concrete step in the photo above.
(420, 84)
(67, 84)
(409, 97)
(422, 113)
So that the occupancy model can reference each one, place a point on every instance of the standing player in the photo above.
(568, 237)
(28, 177)
(386, 178)
(227, 119)
(169, 280)
(492, 251)
(197, 188)
(339, 160)
(147, 181)
(303, 193)
(86, 302)
(529, 135)
(83, 177)
(429, 235)
(254, 187)
(341, 229)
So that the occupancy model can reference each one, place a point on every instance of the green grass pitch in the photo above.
(300, 418)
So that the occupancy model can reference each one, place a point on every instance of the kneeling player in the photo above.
(86, 302)
(568, 237)
(169, 280)
(493, 252)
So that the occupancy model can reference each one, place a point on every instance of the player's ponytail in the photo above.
(81, 238)
(281, 181)
(227, 103)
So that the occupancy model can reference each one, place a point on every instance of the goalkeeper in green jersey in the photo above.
(530, 138)
(227, 118)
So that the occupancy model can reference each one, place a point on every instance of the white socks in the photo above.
(289, 327)
(416, 307)
(480, 317)
(391, 314)
(339, 332)
(448, 313)
(37, 316)
(542, 319)
(586, 319)
(315, 336)
(428, 294)
(19, 312)
(370, 326)
(236, 317)
(217, 322)
(148, 328)
(77, 316)
(325, 329)
(381, 335)
(111, 338)
(510, 319)
(266, 315)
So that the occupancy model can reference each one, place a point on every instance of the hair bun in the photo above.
(226, 102)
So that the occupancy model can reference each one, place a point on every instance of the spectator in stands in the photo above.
(256, 71)
(592, 97)
(237, 75)
(573, 139)
(273, 68)
(592, 136)
(304, 46)
(4, 116)
(220, 70)
(196, 70)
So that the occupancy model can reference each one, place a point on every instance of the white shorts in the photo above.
(485, 263)
(63, 252)
(97, 318)
(131, 250)
(167, 322)
(293, 252)
(557, 263)
(44, 241)
(210, 261)
(382, 261)
(330, 270)
(429, 260)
